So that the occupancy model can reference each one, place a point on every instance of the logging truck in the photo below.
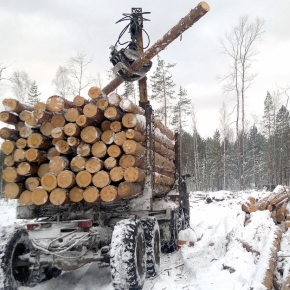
(98, 180)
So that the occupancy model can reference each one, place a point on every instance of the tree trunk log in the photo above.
(91, 111)
(134, 174)
(128, 160)
(15, 106)
(43, 169)
(84, 149)
(42, 116)
(8, 147)
(110, 163)
(134, 148)
(31, 121)
(108, 137)
(9, 174)
(73, 141)
(91, 134)
(66, 179)
(94, 92)
(83, 178)
(80, 101)
(58, 164)
(21, 143)
(9, 134)
(59, 196)
(162, 179)
(99, 149)
(46, 129)
(35, 155)
(84, 121)
(76, 194)
(120, 138)
(58, 104)
(49, 181)
(58, 120)
(39, 106)
(9, 161)
(63, 147)
(114, 99)
(113, 114)
(9, 118)
(160, 189)
(117, 174)
(109, 193)
(114, 151)
(25, 198)
(94, 164)
(77, 164)
(39, 196)
(72, 114)
(13, 190)
(19, 155)
(116, 126)
(106, 125)
(102, 104)
(129, 107)
(58, 133)
(128, 190)
(27, 169)
(51, 152)
(101, 179)
(137, 122)
(135, 135)
(72, 129)
(25, 132)
(36, 140)
(91, 194)
(31, 183)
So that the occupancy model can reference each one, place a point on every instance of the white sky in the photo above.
(37, 36)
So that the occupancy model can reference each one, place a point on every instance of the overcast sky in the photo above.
(37, 36)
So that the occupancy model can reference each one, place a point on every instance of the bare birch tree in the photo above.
(20, 85)
(62, 82)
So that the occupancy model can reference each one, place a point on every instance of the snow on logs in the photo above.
(87, 150)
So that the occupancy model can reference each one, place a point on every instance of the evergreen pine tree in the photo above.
(33, 94)
(162, 89)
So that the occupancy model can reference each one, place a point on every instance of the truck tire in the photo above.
(169, 234)
(14, 275)
(128, 255)
(153, 246)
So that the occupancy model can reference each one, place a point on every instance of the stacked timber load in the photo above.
(276, 202)
(86, 150)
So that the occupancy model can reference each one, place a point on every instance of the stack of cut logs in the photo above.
(276, 202)
(93, 150)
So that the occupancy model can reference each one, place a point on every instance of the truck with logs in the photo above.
(97, 179)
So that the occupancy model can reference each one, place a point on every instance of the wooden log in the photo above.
(58, 120)
(15, 106)
(128, 160)
(113, 114)
(39, 106)
(32, 182)
(101, 179)
(9, 118)
(120, 138)
(73, 141)
(163, 163)
(134, 148)
(163, 151)
(94, 92)
(160, 189)
(25, 198)
(27, 169)
(128, 190)
(52, 152)
(76, 194)
(22, 115)
(136, 121)
(72, 129)
(58, 104)
(46, 129)
(91, 111)
(35, 155)
(57, 133)
(80, 101)
(114, 99)
(117, 174)
(162, 179)
(43, 169)
(42, 116)
(94, 164)
(164, 130)
(280, 217)
(91, 194)
(13, 190)
(251, 199)
(49, 181)
(134, 174)
(110, 163)
(77, 163)
(71, 114)
(58, 164)
(106, 125)
(83, 149)
(39, 196)
(38, 141)
(9, 134)
(9, 174)
(99, 149)
(59, 196)
(109, 193)
(8, 147)
(31, 121)
(21, 143)
(91, 134)
(114, 151)
(278, 198)
(84, 121)
(8, 160)
(25, 132)
(102, 104)
(19, 155)
(66, 179)
(129, 107)
(116, 126)
(135, 135)
(83, 178)
(19, 125)
(108, 137)
(62, 147)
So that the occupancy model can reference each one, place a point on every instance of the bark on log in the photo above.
(49, 181)
(21, 143)
(117, 174)
(128, 160)
(19, 155)
(114, 151)
(83, 178)
(58, 120)
(39, 196)
(134, 148)
(9, 134)
(35, 155)
(27, 169)
(80, 101)
(77, 164)
(76, 194)
(113, 114)
(162, 179)
(66, 179)
(9, 174)
(129, 107)
(102, 104)
(42, 116)
(59, 196)
(106, 125)
(46, 129)
(57, 104)
(94, 92)
(91, 134)
(127, 190)
(9, 118)
(110, 163)
(109, 193)
(99, 149)
(36, 140)
(8, 147)
(91, 111)
(91, 194)
(25, 198)
(58, 164)
(101, 179)
(13, 190)
(120, 138)
(94, 164)
(43, 169)
(31, 183)
(135, 135)
(52, 152)
(15, 106)
(116, 126)
(134, 174)
(72, 114)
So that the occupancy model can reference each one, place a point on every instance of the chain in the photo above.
(153, 147)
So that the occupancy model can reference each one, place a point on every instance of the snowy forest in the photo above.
(241, 154)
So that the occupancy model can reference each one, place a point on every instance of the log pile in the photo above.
(87, 150)
(276, 202)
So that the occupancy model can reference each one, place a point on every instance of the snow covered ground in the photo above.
(218, 260)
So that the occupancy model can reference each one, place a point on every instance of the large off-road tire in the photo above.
(153, 246)
(128, 255)
(14, 274)
(169, 234)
